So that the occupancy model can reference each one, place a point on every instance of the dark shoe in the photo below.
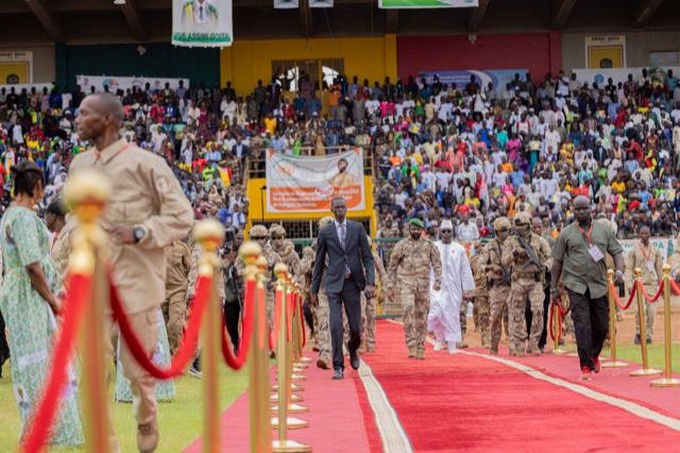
(596, 364)
(637, 339)
(354, 360)
(321, 363)
(462, 345)
(649, 341)
(337, 374)
(147, 437)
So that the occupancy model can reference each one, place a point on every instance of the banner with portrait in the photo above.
(396, 4)
(308, 184)
(202, 23)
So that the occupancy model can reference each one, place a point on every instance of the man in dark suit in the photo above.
(350, 271)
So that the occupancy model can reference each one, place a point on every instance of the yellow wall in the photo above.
(255, 206)
(246, 62)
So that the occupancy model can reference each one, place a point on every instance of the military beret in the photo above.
(417, 223)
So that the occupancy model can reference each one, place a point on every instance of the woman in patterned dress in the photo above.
(29, 305)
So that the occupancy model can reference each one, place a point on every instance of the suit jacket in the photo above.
(356, 255)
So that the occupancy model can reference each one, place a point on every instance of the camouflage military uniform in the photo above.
(322, 328)
(286, 250)
(527, 285)
(174, 307)
(489, 262)
(369, 306)
(409, 270)
(481, 296)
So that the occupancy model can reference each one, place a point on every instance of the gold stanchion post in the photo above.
(282, 422)
(260, 431)
(556, 326)
(645, 370)
(667, 380)
(87, 194)
(210, 235)
(612, 363)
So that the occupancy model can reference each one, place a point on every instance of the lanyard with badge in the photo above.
(593, 250)
(648, 260)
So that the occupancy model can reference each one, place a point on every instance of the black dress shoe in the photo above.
(354, 360)
(337, 374)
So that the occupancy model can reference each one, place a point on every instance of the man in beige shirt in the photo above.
(147, 212)
(648, 259)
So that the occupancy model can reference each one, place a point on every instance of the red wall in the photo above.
(538, 52)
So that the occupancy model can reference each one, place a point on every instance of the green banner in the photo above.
(396, 4)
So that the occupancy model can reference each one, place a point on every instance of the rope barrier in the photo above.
(189, 344)
(675, 288)
(614, 291)
(80, 287)
(290, 306)
(302, 321)
(656, 297)
(274, 333)
(236, 361)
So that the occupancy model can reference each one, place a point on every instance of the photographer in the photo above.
(233, 301)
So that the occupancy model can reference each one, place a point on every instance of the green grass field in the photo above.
(181, 421)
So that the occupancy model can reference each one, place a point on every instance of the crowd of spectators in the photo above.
(469, 153)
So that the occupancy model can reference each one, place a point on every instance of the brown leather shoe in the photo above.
(147, 437)
(322, 363)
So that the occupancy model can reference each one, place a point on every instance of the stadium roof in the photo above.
(100, 21)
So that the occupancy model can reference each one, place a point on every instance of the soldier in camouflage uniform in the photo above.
(411, 262)
(481, 295)
(260, 234)
(389, 229)
(322, 310)
(529, 255)
(306, 268)
(490, 263)
(178, 265)
(285, 249)
(369, 305)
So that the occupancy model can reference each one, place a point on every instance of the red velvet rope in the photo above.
(80, 288)
(262, 314)
(674, 287)
(274, 333)
(290, 306)
(651, 300)
(188, 347)
(302, 321)
(236, 361)
(613, 289)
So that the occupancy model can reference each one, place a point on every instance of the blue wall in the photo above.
(160, 60)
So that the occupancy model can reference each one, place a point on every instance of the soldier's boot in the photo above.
(493, 350)
(324, 362)
(420, 355)
(411, 353)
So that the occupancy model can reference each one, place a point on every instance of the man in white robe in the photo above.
(457, 282)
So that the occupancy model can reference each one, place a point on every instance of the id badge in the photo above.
(595, 253)
(650, 267)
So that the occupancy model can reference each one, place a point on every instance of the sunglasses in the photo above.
(278, 237)
(446, 231)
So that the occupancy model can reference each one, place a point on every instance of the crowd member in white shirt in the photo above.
(466, 231)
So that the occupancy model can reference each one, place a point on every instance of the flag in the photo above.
(286, 4)
(320, 3)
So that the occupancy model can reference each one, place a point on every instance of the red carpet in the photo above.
(336, 421)
(468, 403)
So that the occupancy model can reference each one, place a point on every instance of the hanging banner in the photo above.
(286, 4)
(202, 23)
(115, 83)
(308, 184)
(395, 4)
(320, 3)
(499, 77)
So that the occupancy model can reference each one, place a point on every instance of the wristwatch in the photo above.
(138, 233)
